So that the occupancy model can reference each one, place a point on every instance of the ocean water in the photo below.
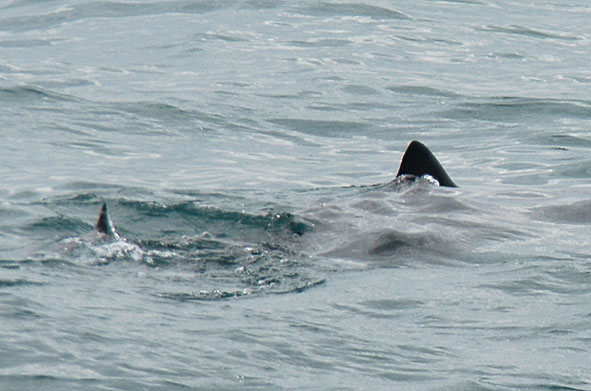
(246, 151)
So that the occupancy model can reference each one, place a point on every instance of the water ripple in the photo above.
(352, 10)
(530, 32)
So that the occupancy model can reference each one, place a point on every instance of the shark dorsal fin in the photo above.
(419, 161)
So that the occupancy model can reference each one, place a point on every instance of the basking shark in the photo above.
(419, 161)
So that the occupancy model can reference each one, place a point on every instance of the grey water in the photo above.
(247, 150)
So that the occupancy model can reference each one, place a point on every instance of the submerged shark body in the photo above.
(418, 161)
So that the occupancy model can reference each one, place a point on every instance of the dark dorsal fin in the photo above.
(104, 224)
(418, 161)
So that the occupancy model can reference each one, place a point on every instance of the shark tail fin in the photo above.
(418, 160)
(104, 224)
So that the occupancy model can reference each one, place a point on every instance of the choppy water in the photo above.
(246, 151)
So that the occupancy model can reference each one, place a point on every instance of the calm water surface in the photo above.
(246, 151)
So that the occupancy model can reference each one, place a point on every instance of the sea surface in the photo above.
(247, 150)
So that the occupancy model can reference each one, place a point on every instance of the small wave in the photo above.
(25, 43)
(214, 294)
(209, 37)
(9, 264)
(156, 110)
(321, 128)
(563, 141)
(470, 2)
(321, 43)
(531, 286)
(4, 283)
(56, 225)
(422, 90)
(503, 109)
(212, 219)
(529, 32)
(171, 116)
(217, 294)
(507, 55)
(107, 9)
(360, 91)
(262, 4)
(353, 10)
(28, 93)
(84, 193)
